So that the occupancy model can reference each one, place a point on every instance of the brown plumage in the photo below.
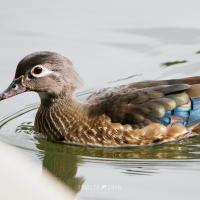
(113, 117)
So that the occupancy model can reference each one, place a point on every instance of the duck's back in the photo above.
(166, 102)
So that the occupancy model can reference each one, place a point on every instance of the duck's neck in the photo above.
(60, 117)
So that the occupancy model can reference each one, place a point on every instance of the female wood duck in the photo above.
(140, 113)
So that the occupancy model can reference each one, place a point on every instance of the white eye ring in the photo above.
(40, 71)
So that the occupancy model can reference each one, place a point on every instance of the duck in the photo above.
(136, 114)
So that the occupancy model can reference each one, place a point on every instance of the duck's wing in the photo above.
(142, 103)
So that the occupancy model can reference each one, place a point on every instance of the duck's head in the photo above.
(47, 73)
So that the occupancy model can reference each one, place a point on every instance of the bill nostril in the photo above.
(14, 86)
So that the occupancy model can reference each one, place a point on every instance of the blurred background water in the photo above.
(110, 43)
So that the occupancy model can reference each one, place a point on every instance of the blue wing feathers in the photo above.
(186, 115)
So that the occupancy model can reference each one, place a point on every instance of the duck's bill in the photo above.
(14, 89)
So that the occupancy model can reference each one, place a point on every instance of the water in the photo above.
(110, 43)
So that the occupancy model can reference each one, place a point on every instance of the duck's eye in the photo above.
(37, 70)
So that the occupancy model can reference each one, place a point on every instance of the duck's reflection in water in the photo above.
(58, 161)
(63, 161)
